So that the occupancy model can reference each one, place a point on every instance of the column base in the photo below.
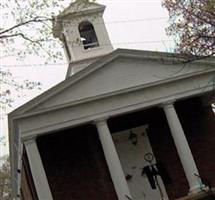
(197, 189)
(200, 195)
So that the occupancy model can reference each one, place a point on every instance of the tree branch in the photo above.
(35, 20)
(22, 35)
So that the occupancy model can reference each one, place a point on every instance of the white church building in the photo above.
(123, 125)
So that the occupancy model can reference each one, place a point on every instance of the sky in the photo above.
(131, 24)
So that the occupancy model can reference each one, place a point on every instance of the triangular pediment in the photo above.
(79, 7)
(114, 74)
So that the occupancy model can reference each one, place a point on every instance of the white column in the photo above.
(183, 148)
(37, 170)
(113, 161)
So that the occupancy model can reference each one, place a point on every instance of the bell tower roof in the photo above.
(82, 7)
(81, 29)
(76, 9)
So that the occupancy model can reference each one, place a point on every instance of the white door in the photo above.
(132, 160)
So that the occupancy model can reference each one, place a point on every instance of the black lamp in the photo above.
(133, 138)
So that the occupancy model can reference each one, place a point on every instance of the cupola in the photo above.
(81, 29)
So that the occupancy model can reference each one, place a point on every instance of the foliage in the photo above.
(10, 86)
(2, 141)
(192, 23)
(5, 179)
(31, 27)
(26, 29)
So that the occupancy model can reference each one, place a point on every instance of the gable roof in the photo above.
(92, 68)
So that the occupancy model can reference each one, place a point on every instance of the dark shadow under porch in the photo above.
(75, 165)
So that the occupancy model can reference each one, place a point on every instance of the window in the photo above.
(88, 35)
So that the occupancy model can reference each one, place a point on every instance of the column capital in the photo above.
(102, 120)
(168, 104)
(29, 139)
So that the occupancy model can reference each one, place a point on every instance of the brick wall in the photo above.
(75, 165)
(25, 188)
(198, 123)
(28, 191)
(74, 161)
(165, 151)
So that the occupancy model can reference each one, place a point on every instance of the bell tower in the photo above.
(81, 29)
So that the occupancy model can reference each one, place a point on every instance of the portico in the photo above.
(105, 96)
(184, 152)
(106, 127)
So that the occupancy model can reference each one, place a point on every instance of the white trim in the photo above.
(125, 53)
(113, 162)
(37, 170)
(110, 113)
(115, 93)
(20, 151)
(183, 149)
(14, 130)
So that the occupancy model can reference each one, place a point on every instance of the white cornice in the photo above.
(115, 93)
(125, 53)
